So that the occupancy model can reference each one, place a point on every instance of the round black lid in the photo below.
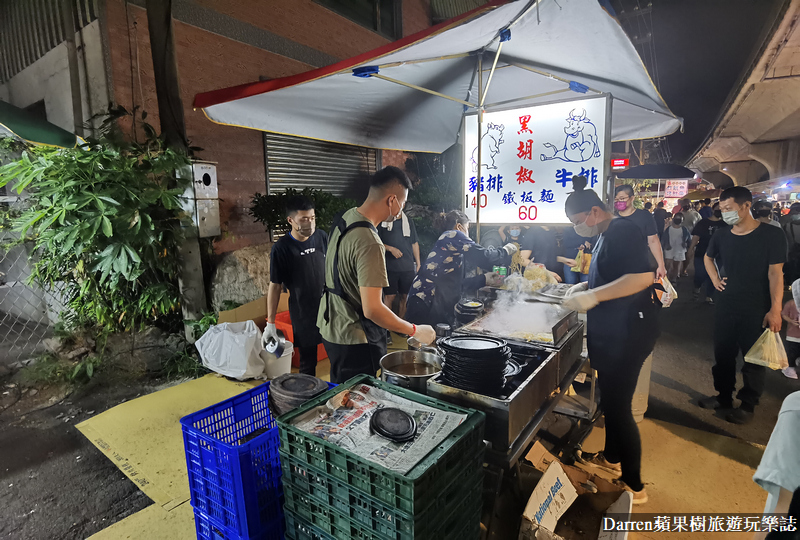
(298, 385)
(393, 424)
(473, 343)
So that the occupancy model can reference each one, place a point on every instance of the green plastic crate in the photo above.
(302, 484)
(410, 493)
(317, 523)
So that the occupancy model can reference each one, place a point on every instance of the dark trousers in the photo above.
(308, 360)
(734, 332)
(792, 352)
(701, 278)
(623, 443)
(347, 361)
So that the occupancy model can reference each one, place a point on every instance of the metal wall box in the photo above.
(207, 218)
(204, 180)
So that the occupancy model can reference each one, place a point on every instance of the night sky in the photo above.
(702, 48)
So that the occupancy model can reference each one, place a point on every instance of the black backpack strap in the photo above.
(337, 283)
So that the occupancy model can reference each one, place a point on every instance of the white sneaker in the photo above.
(790, 372)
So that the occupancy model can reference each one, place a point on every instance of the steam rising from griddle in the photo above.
(512, 315)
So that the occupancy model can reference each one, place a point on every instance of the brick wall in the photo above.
(208, 61)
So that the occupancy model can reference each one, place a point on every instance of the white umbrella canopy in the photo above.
(412, 94)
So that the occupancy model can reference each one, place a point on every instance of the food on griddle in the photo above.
(516, 261)
(541, 337)
(526, 321)
(535, 277)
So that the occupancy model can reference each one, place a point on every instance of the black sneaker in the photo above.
(740, 416)
(714, 402)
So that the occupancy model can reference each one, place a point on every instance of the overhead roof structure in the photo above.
(412, 94)
(758, 133)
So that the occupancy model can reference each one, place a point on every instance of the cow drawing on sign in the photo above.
(581, 143)
(491, 141)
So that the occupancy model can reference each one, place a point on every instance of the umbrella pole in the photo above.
(482, 92)
(480, 146)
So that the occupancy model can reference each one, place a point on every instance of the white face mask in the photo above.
(393, 217)
(731, 218)
(514, 232)
(584, 230)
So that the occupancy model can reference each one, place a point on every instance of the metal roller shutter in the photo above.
(299, 163)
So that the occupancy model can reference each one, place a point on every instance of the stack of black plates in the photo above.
(292, 390)
(475, 363)
(393, 424)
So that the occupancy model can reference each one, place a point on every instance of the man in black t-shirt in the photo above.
(540, 245)
(402, 259)
(297, 262)
(749, 300)
(660, 217)
(701, 236)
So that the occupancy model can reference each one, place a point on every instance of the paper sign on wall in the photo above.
(528, 159)
(676, 189)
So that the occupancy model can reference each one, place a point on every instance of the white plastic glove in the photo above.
(510, 248)
(493, 279)
(425, 334)
(581, 301)
(575, 289)
(270, 332)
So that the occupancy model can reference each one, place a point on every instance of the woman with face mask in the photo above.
(676, 240)
(621, 327)
(439, 283)
(623, 204)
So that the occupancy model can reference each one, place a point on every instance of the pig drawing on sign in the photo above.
(581, 143)
(491, 141)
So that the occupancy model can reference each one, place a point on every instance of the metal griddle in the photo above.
(510, 417)
(567, 321)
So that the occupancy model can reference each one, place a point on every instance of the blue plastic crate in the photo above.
(208, 529)
(234, 481)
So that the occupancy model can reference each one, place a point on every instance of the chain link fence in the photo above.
(27, 312)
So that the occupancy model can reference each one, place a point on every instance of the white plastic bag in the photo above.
(768, 351)
(232, 349)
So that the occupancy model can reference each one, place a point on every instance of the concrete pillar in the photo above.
(738, 171)
(770, 156)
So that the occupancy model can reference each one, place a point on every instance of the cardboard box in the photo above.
(256, 311)
(550, 499)
(558, 488)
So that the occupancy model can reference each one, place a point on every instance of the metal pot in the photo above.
(410, 369)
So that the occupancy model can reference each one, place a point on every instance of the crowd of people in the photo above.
(352, 287)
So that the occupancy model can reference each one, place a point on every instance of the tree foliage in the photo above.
(104, 223)
(271, 209)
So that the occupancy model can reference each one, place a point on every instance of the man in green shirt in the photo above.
(352, 316)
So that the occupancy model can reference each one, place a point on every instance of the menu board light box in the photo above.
(529, 157)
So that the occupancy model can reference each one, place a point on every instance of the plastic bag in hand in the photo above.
(666, 292)
(768, 351)
(232, 349)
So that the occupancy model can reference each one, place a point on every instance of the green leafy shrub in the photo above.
(104, 222)
(271, 209)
